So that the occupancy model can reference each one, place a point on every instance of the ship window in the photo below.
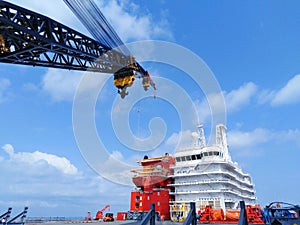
(210, 153)
(178, 159)
(188, 158)
(198, 156)
(193, 157)
(205, 154)
(148, 198)
(137, 198)
(182, 158)
(158, 193)
(141, 198)
(141, 203)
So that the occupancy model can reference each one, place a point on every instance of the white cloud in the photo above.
(289, 94)
(178, 141)
(4, 85)
(265, 96)
(60, 163)
(61, 85)
(131, 24)
(240, 97)
(234, 100)
(290, 136)
(240, 139)
(183, 139)
(117, 155)
(52, 186)
(8, 149)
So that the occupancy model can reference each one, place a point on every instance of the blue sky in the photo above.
(253, 49)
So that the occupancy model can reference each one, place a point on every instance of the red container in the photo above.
(122, 215)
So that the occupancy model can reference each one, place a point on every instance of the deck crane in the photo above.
(30, 38)
(99, 214)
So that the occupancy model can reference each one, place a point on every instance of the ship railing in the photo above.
(150, 174)
(213, 191)
(149, 169)
(19, 219)
(234, 176)
(215, 181)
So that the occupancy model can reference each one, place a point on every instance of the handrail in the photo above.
(6, 215)
(150, 216)
(21, 215)
(191, 217)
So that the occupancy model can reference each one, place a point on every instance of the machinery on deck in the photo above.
(99, 214)
(230, 216)
(281, 213)
(30, 38)
(109, 217)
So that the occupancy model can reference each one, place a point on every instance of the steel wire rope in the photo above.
(95, 22)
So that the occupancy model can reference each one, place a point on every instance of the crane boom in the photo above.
(30, 38)
(33, 39)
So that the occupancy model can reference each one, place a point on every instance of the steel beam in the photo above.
(33, 39)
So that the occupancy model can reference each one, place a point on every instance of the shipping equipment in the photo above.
(151, 180)
(122, 215)
(99, 214)
(230, 216)
(109, 217)
(281, 213)
(29, 38)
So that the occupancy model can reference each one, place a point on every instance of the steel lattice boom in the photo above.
(29, 38)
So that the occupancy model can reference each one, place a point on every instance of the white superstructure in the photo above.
(206, 175)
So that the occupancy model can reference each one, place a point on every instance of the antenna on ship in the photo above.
(221, 140)
(201, 139)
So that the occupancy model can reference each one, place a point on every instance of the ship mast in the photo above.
(201, 140)
(221, 140)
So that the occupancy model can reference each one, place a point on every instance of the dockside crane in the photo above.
(29, 38)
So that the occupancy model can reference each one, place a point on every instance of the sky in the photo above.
(252, 50)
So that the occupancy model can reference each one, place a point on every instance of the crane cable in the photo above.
(93, 19)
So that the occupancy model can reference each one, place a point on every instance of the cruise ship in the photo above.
(206, 175)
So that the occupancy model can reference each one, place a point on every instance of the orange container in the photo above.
(232, 214)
